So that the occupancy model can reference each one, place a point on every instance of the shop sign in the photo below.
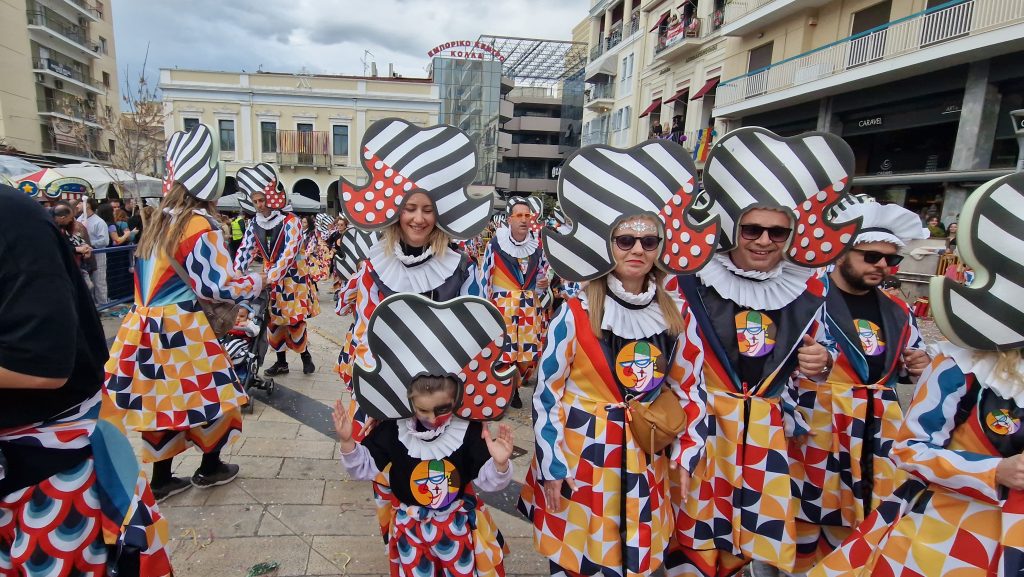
(868, 122)
(467, 50)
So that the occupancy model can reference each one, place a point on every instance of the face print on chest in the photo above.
(755, 333)
(434, 483)
(1001, 422)
(870, 337)
(640, 366)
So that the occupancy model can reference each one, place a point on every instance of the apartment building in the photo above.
(533, 155)
(308, 126)
(921, 89)
(59, 67)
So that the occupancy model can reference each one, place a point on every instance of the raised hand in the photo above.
(812, 357)
(343, 426)
(500, 447)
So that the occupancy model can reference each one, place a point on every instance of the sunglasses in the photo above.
(628, 241)
(775, 233)
(873, 257)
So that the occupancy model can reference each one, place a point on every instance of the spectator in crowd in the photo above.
(935, 227)
(56, 454)
(76, 235)
(119, 280)
(237, 232)
(951, 236)
(99, 237)
(135, 220)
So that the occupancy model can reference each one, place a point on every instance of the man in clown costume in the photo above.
(759, 305)
(276, 236)
(514, 278)
(842, 470)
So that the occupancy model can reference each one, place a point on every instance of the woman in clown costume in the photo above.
(962, 510)
(167, 375)
(596, 494)
(437, 373)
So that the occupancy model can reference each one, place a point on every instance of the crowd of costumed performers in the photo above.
(713, 366)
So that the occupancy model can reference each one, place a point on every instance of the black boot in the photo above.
(307, 363)
(278, 368)
(516, 402)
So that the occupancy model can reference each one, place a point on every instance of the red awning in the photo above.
(681, 95)
(708, 87)
(660, 21)
(650, 109)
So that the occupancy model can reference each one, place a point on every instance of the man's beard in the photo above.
(855, 282)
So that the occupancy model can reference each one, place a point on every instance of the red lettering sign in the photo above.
(473, 50)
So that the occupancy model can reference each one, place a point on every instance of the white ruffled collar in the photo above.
(754, 289)
(639, 318)
(434, 444)
(269, 222)
(412, 274)
(983, 364)
(514, 248)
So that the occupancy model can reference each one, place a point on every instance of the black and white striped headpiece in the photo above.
(410, 335)
(512, 201)
(500, 219)
(599, 186)
(355, 248)
(262, 179)
(988, 315)
(323, 224)
(803, 175)
(193, 160)
(403, 159)
(245, 204)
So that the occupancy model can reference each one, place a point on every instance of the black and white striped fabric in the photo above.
(752, 167)
(846, 203)
(989, 314)
(410, 335)
(355, 248)
(193, 160)
(599, 186)
(512, 201)
(245, 204)
(323, 224)
(237, 350)
(402, 158)
(500, 219)
(536, 204)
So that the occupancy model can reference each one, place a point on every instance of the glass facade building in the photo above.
(469, 92)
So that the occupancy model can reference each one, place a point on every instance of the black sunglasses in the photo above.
(754, 232)
(873, 257)
(628, 241)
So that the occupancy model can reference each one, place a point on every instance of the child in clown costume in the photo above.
(275, 234)
(437, 373)
(961, 511)
(597, 494)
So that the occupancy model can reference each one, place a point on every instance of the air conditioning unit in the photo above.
(40, 78)
(58, 84)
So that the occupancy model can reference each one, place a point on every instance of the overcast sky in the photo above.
(324, 36)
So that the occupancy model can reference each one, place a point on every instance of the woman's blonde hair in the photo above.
(597, 289)
(437, 240)
(1008, 365)
(165, 227)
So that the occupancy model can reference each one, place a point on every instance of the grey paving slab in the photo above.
(234, 556)
(355, 520)
(325, 469)
(240, 520)
(268, 491)
(323, 449)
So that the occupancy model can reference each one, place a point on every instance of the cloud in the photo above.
(323, 36)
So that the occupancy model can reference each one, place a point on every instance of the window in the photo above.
(109, 113)
(304, 127)
(268, 136)
(626, 78)
(106, 79)
(340, 139)
(190, 122)
(111, 147)
(227, 135)
(760, 57)
(103, 45)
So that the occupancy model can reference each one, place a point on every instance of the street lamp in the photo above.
(1018, 128)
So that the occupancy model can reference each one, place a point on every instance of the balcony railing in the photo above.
(62, 27)
(302, 148)
(68, 107)
(66, 71)
(51, 146)
(596, 51)
(597, 137)
(615, 37)
(88, 8)
(692, 29)
(901, 37)
(738, 9)
(600, 92)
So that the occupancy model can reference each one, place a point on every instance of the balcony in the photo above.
(69, 109)
(534, 124)
(742, 17)
(595, 137)
(920, 43)
(53, 146)
(533, 185)
(534, 151)
(301, 148)
(600, 97)
(74, 8)
(64, 73)
(502, 180)
(506, 110)
(51, 29)
(681, 40)
(504, 141)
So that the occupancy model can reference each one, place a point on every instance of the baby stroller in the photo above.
(249, 370)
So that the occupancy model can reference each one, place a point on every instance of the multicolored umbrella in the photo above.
(49, 184)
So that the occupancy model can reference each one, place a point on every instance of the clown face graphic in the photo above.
(870, 339)
(755, 334)
(433, 485)
(640, 367)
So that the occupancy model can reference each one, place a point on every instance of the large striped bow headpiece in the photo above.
(988, 315)
(803, 175)
(355, 248)
(601, 186)
(403, 159)
(410, 335)
(193, 161)
(262, 179)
